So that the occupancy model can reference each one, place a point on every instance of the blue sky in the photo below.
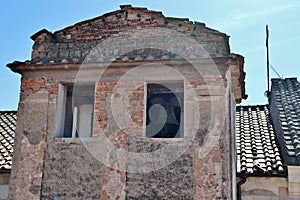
(244, 21)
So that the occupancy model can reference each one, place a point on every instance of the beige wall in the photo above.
(4, 183)
(294, 181)
(264, 188)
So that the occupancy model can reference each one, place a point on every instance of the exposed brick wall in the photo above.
(29, 180)
(109, 92)
(208, 174)
(36, 85)
(75, 42)
(114, 177)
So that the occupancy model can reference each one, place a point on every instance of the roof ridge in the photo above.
(257, 105)
(6, 111)
(286, 99)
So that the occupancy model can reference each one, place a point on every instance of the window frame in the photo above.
(60, 130)
(181, 134)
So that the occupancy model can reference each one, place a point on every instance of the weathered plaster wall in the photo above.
(30, 141)
(70, 171)
(174, 181)
(4, 185)
(203, 171)
(294, 181)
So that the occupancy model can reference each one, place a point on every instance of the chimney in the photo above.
(124, 7)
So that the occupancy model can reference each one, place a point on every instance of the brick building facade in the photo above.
(91, 100)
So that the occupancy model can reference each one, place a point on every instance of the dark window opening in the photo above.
(79, 111)
(164, 118)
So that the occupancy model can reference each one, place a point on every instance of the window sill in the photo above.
(168, 140)
(74, 140)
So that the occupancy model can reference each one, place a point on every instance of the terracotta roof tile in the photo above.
(257, 151)
(8, 121)
(285, 107)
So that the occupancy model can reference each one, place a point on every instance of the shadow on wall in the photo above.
(259, 192)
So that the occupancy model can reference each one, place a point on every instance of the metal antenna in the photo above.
(268, 65)
(274, 70)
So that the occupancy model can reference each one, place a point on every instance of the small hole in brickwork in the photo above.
(138, 15)
(118, 16)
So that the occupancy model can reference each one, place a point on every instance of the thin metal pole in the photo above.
(268, 64)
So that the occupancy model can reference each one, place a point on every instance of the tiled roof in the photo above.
(257, 151)
(285, 110)
(8, 121)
